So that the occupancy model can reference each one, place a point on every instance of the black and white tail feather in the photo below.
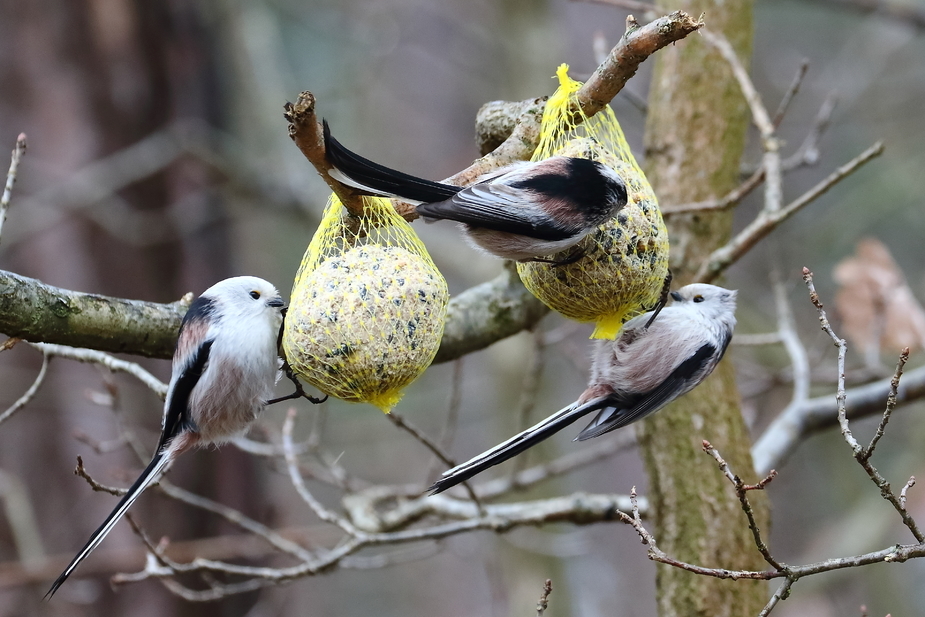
(518, 212)
(151, 473)
(645, 368)
(230, 329)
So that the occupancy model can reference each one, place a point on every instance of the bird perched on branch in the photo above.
(520, 212)
(224, 369)
(646, 367)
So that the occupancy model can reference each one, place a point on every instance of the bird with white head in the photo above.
(223, 372)
(646, 367)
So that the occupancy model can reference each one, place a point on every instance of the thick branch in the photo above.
(500, 121)
(624, 59)
(37, 312)
(488, 313)
(305, 131)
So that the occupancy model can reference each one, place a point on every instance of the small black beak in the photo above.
(275, 302)
(675, 296)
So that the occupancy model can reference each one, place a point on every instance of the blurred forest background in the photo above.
(159, 163)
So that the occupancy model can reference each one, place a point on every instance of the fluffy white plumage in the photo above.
(224, 369)
(638, 373)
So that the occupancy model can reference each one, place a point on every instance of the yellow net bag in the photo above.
(623, 264)
(367, 308)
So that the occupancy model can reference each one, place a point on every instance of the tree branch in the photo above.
(37, 312)
(16, 157)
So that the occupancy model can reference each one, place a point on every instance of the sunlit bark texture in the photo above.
(695, 136)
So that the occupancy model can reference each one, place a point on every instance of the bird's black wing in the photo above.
(379, 178)
(176, 416)
(621, 412)
(499, 207)
(190, 361)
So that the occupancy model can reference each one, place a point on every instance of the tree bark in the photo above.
(695, 137)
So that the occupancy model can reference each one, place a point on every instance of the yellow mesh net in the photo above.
(367, 308)
(624, 263)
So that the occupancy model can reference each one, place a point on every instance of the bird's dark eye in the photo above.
(255, 295)
(698, 298)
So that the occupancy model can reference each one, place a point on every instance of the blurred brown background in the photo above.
(159, 163)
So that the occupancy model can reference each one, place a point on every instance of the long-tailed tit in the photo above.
(224, 369)
(642, 370)
(520, 212)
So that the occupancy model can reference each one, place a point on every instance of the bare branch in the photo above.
(116, 365)
(487, 313)
(902, 493)
(790, 94)
(767, 221)
(305, 131)
(34, 311)
(16, 157)
(786, 327)
(808, 152)
(622, 63)
(37, 312)
(742, 493)
(816, 414)
(860, 453)
(890, 403)
(430, 445)
(298, 482)
(635, 46)
(782, 593)
(29, 394)
(238, 518)
(731, 200)
(543, 602)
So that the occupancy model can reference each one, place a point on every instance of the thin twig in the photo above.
(902, 493)
(808, 152)
(791, 93)
(543, 603)
(759, 113)
(565, 464)
(452, 417)
(786, 328)
(16, 157)
(116, 365)
(733, 198)
(529, 390)
(418, 434)
(741, 490)
(23, 400)
(238, 518)
(295, 475)
(890, 403)
(782, 593)
(82, 472)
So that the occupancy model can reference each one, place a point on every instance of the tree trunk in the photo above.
(695, 137)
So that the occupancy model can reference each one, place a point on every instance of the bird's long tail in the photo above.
(517, 444)
(151, 473)
(360, 173)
